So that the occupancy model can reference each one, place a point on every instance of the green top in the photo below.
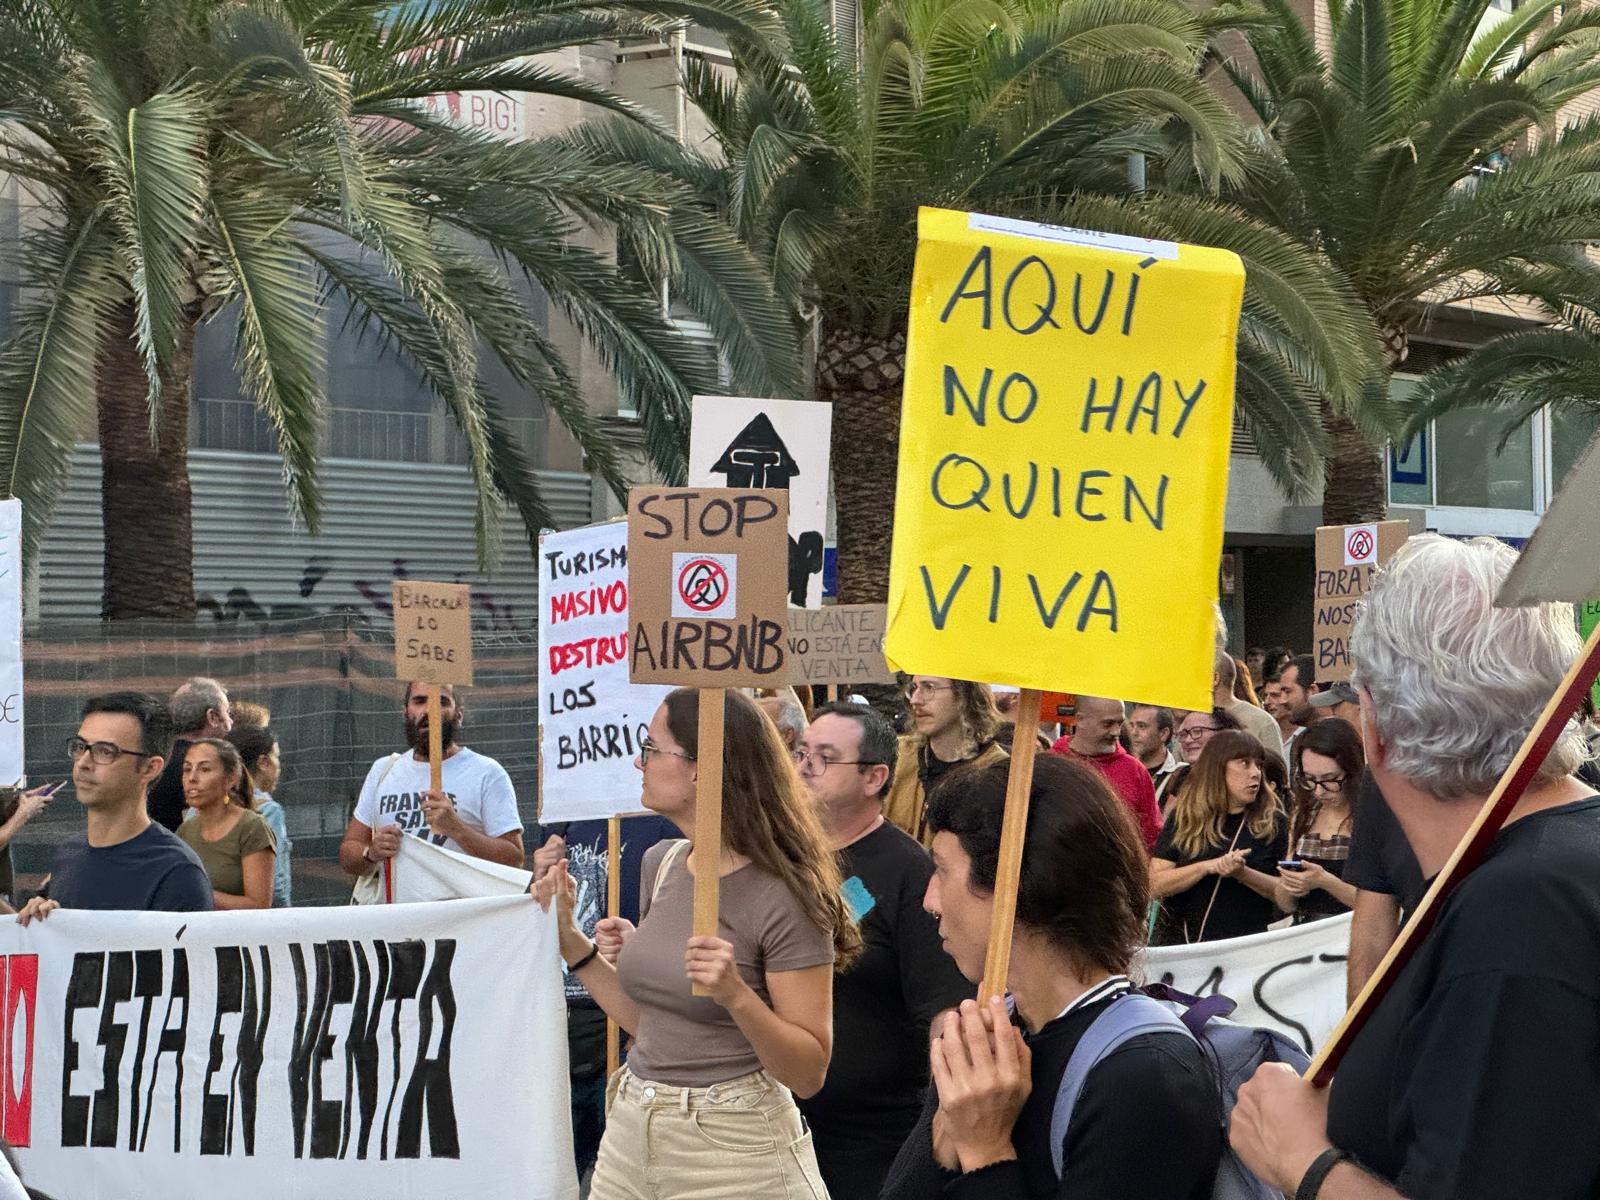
(224, 858)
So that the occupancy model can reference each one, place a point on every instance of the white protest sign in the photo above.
(423, 871)
(392, 1052)
(11, 764)
(1291, 980)
(591, 719)
(736, 442)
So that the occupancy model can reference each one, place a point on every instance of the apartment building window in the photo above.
(1458, 461)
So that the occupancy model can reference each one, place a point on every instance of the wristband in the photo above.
(594, 950)
(1311, 1181)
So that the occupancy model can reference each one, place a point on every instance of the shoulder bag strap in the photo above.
(671, 856)
(1244, 820)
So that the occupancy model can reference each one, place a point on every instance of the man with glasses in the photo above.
(883, 1004)
(123, 860)
(953, 721)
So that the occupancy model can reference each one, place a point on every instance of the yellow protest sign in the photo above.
(1063, 459)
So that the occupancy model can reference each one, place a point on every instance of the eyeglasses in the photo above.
(1333, 786)
(810, 763)
(928, 689)
(100, 752)
(1192, 734)
(647, 749)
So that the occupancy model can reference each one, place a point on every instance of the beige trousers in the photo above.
(739, 1140)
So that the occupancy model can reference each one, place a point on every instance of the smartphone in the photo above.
(53, 788)
(1291, 864)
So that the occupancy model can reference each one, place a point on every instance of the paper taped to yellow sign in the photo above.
(1063, 459)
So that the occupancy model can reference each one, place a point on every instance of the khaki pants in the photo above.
(739, 1140)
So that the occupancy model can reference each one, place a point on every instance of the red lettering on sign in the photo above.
(21, 990)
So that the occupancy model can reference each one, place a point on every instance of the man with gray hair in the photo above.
(199, 710)
(785, 712)
(1478, 1074)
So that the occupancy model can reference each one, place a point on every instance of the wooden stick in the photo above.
(1471, 850)
(435, 741)
(613, 909)
(708, 817)
(1008, 872)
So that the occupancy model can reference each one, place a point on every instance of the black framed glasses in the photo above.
(648, 749)
(100, 752)
(1189, 735)
(1313, 786)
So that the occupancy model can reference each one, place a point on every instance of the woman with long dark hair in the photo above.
(1328, 762)
(989, 1128)
(233, 842)
(1215, 867)
(704, 1105)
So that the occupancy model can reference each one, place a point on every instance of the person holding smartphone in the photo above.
(1328, 762)
(16, 810)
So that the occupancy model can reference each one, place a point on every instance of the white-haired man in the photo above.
(1478, 1076)
(199, 710)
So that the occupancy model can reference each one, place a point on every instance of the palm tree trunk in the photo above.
(1356, 484)
(144, 486)
(861, 376)
(1356, 481)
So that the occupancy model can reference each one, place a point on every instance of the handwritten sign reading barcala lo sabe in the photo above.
(707, 569)
(432, 631)
(1063, 466)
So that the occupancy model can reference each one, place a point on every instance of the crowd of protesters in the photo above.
(828, 1041)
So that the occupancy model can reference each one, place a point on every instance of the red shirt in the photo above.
(1130, 779)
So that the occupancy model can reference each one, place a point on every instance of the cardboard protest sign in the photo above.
(706, 586)
(842, 643)
(591, 719)
(12, 766)
(739, 442)
(1588, 619)
(1348, 556)
(1063, 466)
(344, 1051)
(432, 631)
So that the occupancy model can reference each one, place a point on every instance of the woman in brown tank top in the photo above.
(704, 1107)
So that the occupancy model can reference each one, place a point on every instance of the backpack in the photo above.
(1234, 1051)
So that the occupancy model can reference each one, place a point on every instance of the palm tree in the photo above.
(216, 160)
(1026, 108)
(1422, 154)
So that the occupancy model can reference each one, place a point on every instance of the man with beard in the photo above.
(475, 813)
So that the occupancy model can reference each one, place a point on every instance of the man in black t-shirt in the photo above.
(1388, 883)
(1477, 1076)
(883, 1004)
(123, 860)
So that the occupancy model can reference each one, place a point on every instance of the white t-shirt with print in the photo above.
(479, 786)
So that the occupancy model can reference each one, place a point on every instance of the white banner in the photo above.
(1291, 980)
(393, 1052)
(591, 719)
(11, 764)
(739, 442)
(423, 871)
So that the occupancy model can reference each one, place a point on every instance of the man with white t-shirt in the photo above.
(475, 814)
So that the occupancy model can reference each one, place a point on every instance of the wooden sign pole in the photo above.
(435, 741)
(1008, 872)
(708, 817)
(1524, 769)
(613, 909)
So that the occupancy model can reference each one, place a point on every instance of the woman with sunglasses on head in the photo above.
(1328, 762)
(703, 1107)
(1215, 868)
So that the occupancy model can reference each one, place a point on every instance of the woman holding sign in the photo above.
(704, 1106)
(1215, 867)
